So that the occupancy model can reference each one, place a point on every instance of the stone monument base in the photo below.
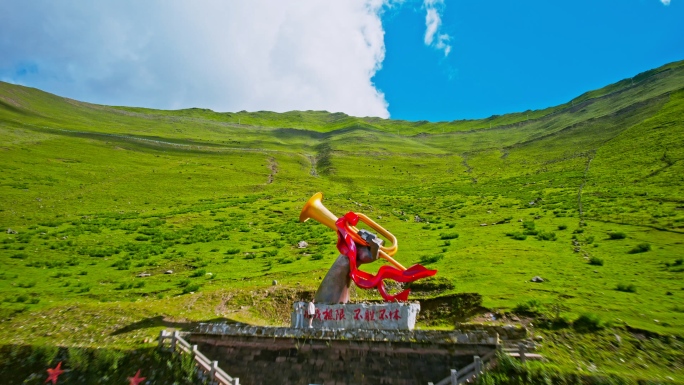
(368, 316)
(286, 356)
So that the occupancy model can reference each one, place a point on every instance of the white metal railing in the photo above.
(470, 372)
(207, 367)
(481, 364)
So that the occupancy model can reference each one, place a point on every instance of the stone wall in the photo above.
(477, 337)
(260, 355)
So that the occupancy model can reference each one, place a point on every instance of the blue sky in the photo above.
(515, 55)
(409, 59)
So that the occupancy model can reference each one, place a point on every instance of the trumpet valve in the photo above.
(373, 241)
(370, 237)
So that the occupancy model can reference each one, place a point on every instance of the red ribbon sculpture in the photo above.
(364, 280)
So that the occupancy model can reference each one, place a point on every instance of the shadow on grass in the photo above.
(157, 321)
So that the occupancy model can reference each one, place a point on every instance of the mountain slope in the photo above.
(99, 194)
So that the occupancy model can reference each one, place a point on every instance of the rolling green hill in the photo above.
(588, 195)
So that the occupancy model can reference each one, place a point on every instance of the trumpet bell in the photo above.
(314, 209)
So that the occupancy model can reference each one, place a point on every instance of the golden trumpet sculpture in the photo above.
(314, 209)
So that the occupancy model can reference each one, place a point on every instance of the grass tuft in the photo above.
(532, 307)
(445, 236)
(191, 288)
(627, 288)
(542, 236)
(198, 273)
(429, 259)
(588, 323)
(640, 248)
(596, 261)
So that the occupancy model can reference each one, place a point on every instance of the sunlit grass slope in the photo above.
(98, 195)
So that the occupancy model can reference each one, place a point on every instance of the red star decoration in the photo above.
(54, 373)
(136, 380)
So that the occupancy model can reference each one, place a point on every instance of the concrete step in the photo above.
(528, 356)
(527, 349)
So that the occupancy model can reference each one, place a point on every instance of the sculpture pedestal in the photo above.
(369, 316)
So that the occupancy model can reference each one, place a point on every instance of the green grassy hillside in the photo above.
(588, 195)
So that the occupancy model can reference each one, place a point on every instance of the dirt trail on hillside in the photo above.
(273, 166)
(313, 161)
(590, 157)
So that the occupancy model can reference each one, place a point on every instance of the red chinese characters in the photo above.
(369, 315)
(357, 314)
(339, 315)
(373, 315)
(330, 314)
(383, 315)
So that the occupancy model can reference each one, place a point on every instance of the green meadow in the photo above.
(588, 195)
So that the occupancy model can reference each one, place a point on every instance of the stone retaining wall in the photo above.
(482, 337)
(262, 355)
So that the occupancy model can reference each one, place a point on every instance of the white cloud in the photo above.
(433, 22)
(665, 2)
(223, 55)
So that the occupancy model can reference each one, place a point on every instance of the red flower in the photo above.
(136, 379)
(54, 373)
